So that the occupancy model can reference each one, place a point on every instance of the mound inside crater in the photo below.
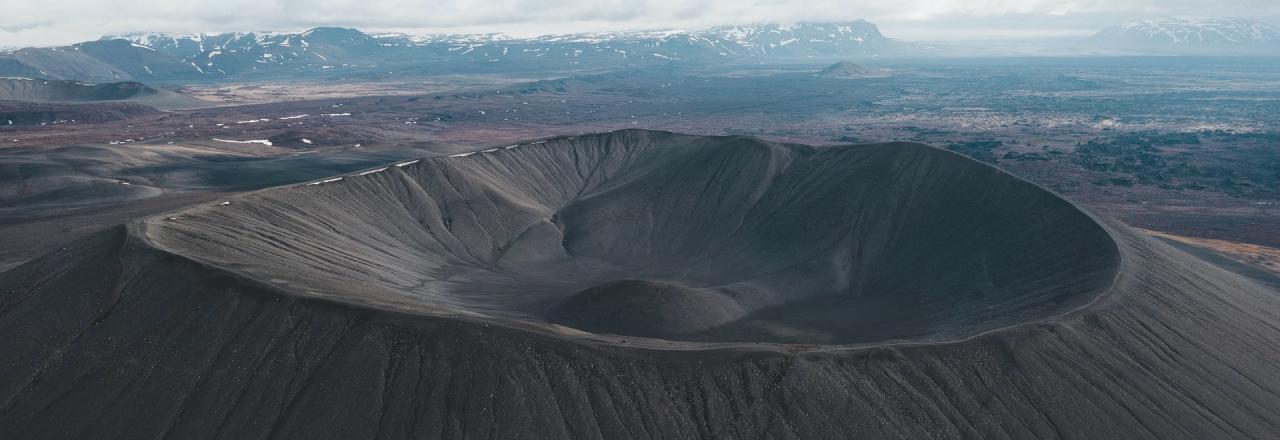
(682, 238)
(646, 308)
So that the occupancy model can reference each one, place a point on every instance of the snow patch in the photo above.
(335, 179)
(252, 141)
(1105, 124)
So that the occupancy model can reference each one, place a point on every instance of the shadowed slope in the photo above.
(115, 337)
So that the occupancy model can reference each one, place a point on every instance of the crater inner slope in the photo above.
(682, 238)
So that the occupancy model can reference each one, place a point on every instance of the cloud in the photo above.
(66, 21)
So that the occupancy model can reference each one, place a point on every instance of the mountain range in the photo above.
(1192, 36)
(334, 51)
(160, 56)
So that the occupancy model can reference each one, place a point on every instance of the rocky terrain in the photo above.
(340, 234)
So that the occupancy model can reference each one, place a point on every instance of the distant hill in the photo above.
(329, 51)
(1185, 36)
(63, 91)
(845, 69)
(97, 61)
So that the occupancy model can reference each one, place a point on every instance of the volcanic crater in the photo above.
(638, 284)
(672, 239)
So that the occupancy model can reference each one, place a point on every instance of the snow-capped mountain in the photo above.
(1191, 35)
(239, 52)
(796, 40)
(806, 39)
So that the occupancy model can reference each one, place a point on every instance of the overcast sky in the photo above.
(49, 22)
